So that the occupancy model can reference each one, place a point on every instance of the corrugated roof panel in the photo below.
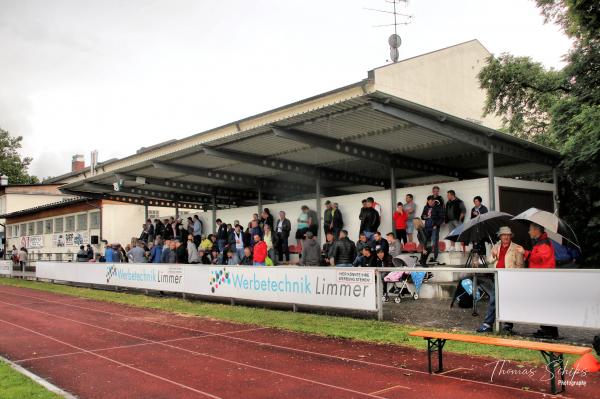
(265, 145)
(200, 160)
(315, 156)
(248, 169)
(199, 180)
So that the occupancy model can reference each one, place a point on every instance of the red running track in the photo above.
(104, 350)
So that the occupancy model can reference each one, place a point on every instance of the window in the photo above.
(82, 222)
(30, 228)
(94, 220)
(39, 227)
(48, 226)
(23, 230)
(58, 225)
(15, 230)
(153, 214)
(70, 223)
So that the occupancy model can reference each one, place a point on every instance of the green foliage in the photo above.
(11, 163)
(14, 385)
(559, 109)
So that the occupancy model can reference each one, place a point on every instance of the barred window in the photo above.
(15, 230)
(30, 228)
(94, 220)
(39, 227)
(82, 221)
(23, 229)
(70, 223)
(48, 226)
(58, 225)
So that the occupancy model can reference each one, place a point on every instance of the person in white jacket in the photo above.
(192, 250)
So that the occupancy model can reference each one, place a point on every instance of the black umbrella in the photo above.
(485, 228)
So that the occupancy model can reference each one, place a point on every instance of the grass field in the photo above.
(317, 324)
(14, 385)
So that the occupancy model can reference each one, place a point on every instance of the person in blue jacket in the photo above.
(156, 252)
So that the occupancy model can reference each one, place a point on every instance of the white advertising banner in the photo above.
(347, 288)
(6, 267)
(551, 297)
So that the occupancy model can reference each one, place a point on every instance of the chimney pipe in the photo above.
(78, 163)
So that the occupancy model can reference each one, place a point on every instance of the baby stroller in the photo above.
(401, 279)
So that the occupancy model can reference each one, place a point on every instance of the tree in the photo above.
(560, 109)
(11, 163)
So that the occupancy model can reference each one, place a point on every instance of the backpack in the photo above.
(464, 294)
(562, 254)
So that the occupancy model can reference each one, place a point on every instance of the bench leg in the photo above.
(552, 360)
(432, 346)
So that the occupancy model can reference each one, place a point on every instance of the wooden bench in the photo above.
(552, 353)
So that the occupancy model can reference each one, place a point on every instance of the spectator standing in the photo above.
(192, 250)
(435, 191)
(302, 225)
(327, 218)
(268, 239)
(197, 230)
(266, 219)
(370, 220)
(343, 251)
(260, 252)
(361, 216)
(506, 256)
(169, 254)
(109, 254)
(395, 247)
(247, 258)
(168, 232)
(23, 257)
(313, 222)
(337, 220)
(150, 230)
(159, 228)
(478, 209)
(455, 211)
(221, 235)
(282, 231)
(311, 253)
(433, 216)
(375, 205)
(137, 254)
(254, 231)
(411, 210)
(400, 222)
(236, 241)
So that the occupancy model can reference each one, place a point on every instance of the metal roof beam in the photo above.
(195, 188)
(295, 167)
(481, 140)
(370, 153)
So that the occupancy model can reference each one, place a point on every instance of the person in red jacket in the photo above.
(541, 256)
(260, 251)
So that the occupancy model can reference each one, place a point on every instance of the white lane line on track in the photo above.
(112, 360)
(181, 349)
(345, 359)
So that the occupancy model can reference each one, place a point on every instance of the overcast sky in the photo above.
(114, 75)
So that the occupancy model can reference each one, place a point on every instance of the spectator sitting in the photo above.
(343, 251)
(379, 243)
(232, 258)
(204, 257)
(383, 260)
(326, 252)
(215, 257)
(260, 250)
(82, 254)
(505, 254)
(367, 259)
(156, 252)
(395, 247)
(110, 255)
(268, 239)
(247, 259)
(208, 243)
(236, 241)
(360, 245)
(89, 252)
(311, 253)
(192, 251)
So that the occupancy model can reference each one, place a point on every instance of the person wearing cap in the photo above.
(311, 252)
(506, 256)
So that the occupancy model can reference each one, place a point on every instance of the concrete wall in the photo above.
(445, 80)
(121, 222)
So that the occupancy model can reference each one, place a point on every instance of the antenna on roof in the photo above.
(394, 40)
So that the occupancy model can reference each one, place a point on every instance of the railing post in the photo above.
(497, 302)
(379, 294)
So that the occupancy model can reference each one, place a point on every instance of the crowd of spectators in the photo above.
(264, 239)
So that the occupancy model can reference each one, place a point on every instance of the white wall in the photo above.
(121, 222)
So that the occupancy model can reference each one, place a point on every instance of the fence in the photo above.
(561, 297)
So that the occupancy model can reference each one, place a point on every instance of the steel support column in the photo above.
(492, 184)
(393, 196)
(318, 198)
(555, 190)
(260, 202)
(214, 213)
(145, 211)
(177, 211)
